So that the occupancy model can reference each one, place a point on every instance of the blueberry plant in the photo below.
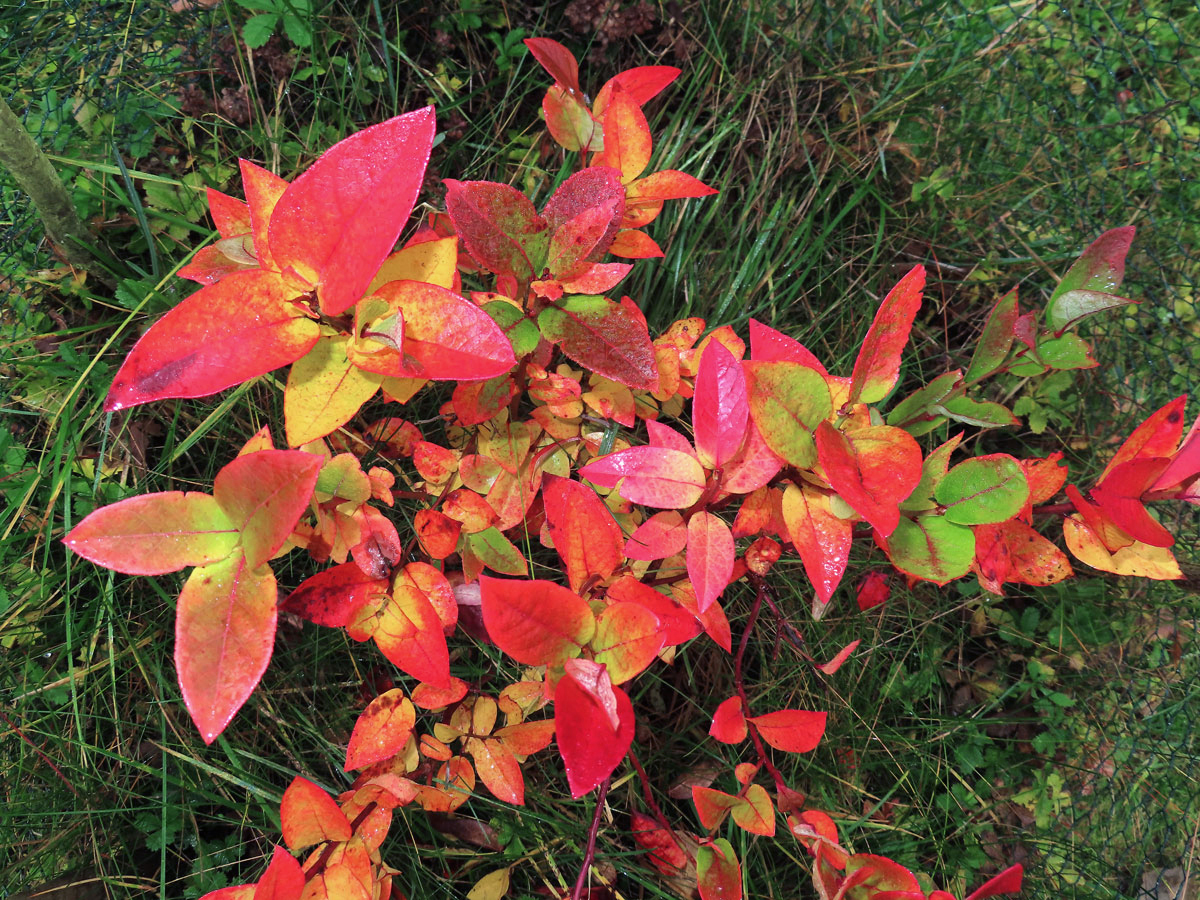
(660, 470)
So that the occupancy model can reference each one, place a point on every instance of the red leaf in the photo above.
(667, 184)
(753, 466)
(333, 596)
(155, 534)
(664, 849)
(821, 538)
(710, 555)
(589, 748)
(229, 332)
(720, 409)
(642, 83)
(336, 223)
(498, 225)
(310, 816)
(583, 216)
(264, 494)
(1158, 436)
(872, 468)
(633, 244)
(791, 730)
(651, 476)
(598, 279)
(409, 634)
(557, 60)
(381, 731)
(665, 436)
(842, 655)
(437, 533)
(283, 880)
(230, 215)
(878, 363)
(676, 623)
(663, 534)
(769, 345)
(603, 336)
(873, 591)
(1007, 882)
(585, 534)
(224, 635)
(729, 723)
(718, 872)
(535, 622)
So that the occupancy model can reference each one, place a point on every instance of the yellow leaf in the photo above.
(491, 886)
(324, 391)
(433, 262)
(1138, 558)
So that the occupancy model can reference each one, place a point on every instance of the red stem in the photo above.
(590, 854)
(739, 682)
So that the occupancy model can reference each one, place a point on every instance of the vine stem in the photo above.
(590, 853)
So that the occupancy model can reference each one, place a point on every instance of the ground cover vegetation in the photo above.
(207, 821)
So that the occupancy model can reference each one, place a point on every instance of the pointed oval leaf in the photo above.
(729, 723)
(264, 494)
(1157, 436)
(585, 534)
(627, 141)
(230, 215)
(642, 83)
(535, 622)
(589, 748)
(336, 223)
(308, 815)
(381, 731)
(410, 635)
(557, 60)
(769, 345)
(652, 476)
(628, 638)
(605, 337)
(498, 769)
(324, 391)
(224, 635)
(710, 556)
(718, 872)
(983, 491)
(1007, 882)
(996, 339)
(570, 122)
(821, 538)
(663, 534)
(711, 805)
(791, 730)
(283, 880)
(332, 597)
(1138, 559)
(754, 812)
(1100, 269)
(1014, 552)
(229, 332)
(931, 548)
(155, 534)
(263, 190)
(787, 401)
(498, 225)
(873, 469)
(878, 364)
(719, 406)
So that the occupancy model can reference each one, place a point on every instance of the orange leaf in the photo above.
(585, 534)
(310, 816)
(878, 364)
(711, 805)
(410, 635)
(842, 655)
(1014, 552)
(535, 622)
(437, 533)
(627, 141)
(873, 468)
(821, 538)
(791, 730)
(498, 769)
(263, 190)
(224, 636)
(381, 731)
(628, 637)
(729, 724)
(230, 215)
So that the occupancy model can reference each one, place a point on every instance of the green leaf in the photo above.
(787, 401)
(521, 330)
(1073, 306)
(932, 548)
(996, 339)
(913, 413)
(298, 31)
(258, 29)
(1087, 287)
(1068, 351)
(982, 491)
(983, 413)
(933, 470)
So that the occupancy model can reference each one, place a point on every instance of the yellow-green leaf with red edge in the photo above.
(243, 326)
(791, 730)
(446, 337)
(983, 490)
(263, 190)
(729, 723)
(498, 226)
(931, 548)
(878, 364)
(868, 876)
(996, 339)
(720, 408)
(872, 468)
(332, 597)
(711, 805)
(628, 638)
(570, 122)
(821, 538)
(652, 476)
(710, 556)
(324, 391)
(718, 872)
(1014, 552)
(381, 730)
(337, 222)
(538, 623)
(606, 337)
(308, 815)
(436, 589)
(224, 635)
(585, 534)
(283, 880)
(754, 812)
(627, 141)
(1157, 436)
(591, 748)
(492, 549)
(1088, 286)
(264, 494)
(498, 769)
(155, 534)
(409, 633)
(787, 401)
(1141, 560)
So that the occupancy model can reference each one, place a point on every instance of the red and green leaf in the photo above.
(1088, 286)
(224, 636)
(931, 548)
(877, 367)
(820, 537)
(628, 638)
(499, 227)
(155, 534)
(873, 468)
(718, 872)
(983, 491)
(787, 401)
(606, 337)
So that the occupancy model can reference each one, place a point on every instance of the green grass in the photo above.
(816, 126)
